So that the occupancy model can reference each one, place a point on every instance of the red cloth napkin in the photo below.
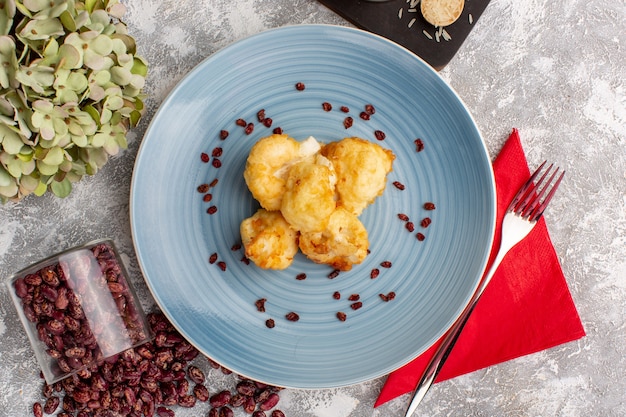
(527, 306)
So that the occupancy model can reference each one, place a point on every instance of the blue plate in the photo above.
(433, 279)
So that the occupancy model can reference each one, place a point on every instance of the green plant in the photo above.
(70, 88)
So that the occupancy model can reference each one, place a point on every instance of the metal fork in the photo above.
(520, 218)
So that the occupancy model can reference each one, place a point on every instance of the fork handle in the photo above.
(450, 339)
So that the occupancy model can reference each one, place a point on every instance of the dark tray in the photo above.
(383, 19)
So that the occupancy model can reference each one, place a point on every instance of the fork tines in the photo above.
(528, 201)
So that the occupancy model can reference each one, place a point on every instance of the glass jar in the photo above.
(79, 309)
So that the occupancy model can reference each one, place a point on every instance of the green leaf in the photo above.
(41, 189)
(54, 156)
(68, 21)
(5, 177)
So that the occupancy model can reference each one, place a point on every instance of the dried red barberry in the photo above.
(354, 297)
(212, 210)
(363, 115)
(398, 185)
(269, 323)
(386, 264)
(403, 217)
(222, 265)
(260, 304)
(207, 197)
(203, 188)
(260, 115)
(369, 109)
(379, 135)
(341, 316)
(429, 206)
(326, 106)
(216, 163)
(300, 86)
(337, 295)
(213, 183)
(420, 236)
(268, 122)
(356, 306)
(301, 276)
(419, 145)
(292, 316)
(204, 157)
(345, 109)
(347, 122)
(334, 274)
(277, 131)
(249, 128)
(240, 122)
(217, 152)
(410, 226)
(374, 273)
(223, 134)
(425, 222)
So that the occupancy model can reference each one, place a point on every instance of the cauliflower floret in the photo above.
(344, 242)
(361, 168)
(268, 165)
(268, 240)
(309, 198)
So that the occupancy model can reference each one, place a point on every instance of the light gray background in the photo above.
(553, 69)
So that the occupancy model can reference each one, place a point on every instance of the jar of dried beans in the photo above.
(79, 309)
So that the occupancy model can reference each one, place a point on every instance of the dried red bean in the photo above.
(259, 413)
(398, 185)
(410, 226)
(269, 323)
(420, 237)
(213, 412)
(222, 265)
(226, 412)
(301, 276)
(249, 405)
(204, 157)
(386, 264)
(419, 145)
(37, 410)
(260, 304)
(164, 412)
(356, 306)
(425, 222)
(246, 387)
(203, 188)
(207, 198)
(277, 413)
(337, 295)
(429, 206)
(374, 273)
(187, 401)
(354, 297)
(300, 86)
(363, 115)
(292, 316)
(326, 106)
(341, 316)
(240, 122)
(220, 399)
(195, 374)
(212, 210)
(270, 402)
(216, 163)
(237, 400)
(379, 135)
(347, 122)
(223, 134)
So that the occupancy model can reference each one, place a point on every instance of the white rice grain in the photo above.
(470, 18)
(428, 35)
(412, 22)
(400, 13)
(446, 36)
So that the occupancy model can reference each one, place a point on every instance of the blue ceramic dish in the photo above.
(433, 279)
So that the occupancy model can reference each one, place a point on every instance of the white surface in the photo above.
(554, 70)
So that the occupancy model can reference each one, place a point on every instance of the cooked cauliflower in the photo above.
(344, 242)
(309, 198)
(361, 168)
(268, 240)
(269, 163)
